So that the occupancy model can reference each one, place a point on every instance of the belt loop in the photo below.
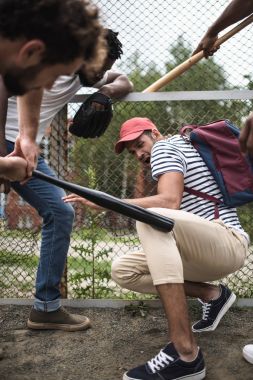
(216, 211)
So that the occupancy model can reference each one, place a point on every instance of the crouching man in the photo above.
(180, 263)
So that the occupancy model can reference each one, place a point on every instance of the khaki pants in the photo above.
(197, 250)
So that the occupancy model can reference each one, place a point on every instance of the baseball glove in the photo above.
(91, 123)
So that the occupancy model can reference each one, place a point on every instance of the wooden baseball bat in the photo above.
(109, 202)
(184, 66)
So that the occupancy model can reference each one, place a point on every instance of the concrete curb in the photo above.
(111, 304)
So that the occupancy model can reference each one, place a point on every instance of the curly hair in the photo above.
(69, 28)
(114, 45)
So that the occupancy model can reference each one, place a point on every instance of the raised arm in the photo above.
(235, 11)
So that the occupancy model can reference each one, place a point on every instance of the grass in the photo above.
(80, 272)
(23, 261)
(21, 234)
(106, 236)
(18, 270)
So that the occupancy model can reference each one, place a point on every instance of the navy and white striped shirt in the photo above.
(176, 154)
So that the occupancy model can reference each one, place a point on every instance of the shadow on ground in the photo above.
(117, 341)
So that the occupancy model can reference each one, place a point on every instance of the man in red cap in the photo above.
(178, 263)
(132, 129)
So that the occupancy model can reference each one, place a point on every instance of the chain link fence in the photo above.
(156, 37)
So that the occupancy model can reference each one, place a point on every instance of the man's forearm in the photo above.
(235, 11)
(29, 114)
(170, 187)
(155, 201)
(29, 117)
(119, 88)
(3, 113)
(13, 168)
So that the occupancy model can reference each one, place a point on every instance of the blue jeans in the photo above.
(57, 224)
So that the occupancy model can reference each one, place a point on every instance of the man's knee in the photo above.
(120, 274)
(65, 216)
(67, 212)
(59, 213)
(115, 271)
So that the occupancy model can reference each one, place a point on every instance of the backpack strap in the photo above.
(206, 196)
(184, 129)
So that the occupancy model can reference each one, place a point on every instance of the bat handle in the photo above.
(174, 73)
(184, 66)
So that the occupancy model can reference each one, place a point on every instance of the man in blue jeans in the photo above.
(58, 217)
(32, 57)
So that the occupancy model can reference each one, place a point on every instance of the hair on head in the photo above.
(114, 45)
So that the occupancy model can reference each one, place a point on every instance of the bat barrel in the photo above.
(107, 201)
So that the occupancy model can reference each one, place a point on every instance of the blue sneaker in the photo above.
(213, 311)
(167, 365)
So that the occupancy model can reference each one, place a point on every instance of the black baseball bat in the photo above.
(110, 202)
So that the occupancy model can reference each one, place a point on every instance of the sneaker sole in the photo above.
(196, 376)
(222, 312)
(247, 357)
(58, 326)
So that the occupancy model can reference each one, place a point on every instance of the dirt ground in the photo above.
(118, 340)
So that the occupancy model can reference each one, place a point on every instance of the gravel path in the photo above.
(117, 341)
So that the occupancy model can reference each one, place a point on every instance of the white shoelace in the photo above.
(159, 361)
(205, 309)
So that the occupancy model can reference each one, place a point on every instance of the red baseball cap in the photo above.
(131, 130)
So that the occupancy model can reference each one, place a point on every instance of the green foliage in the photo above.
(21, 261)
(206, 75)
(90, 279)
(246, 218)
(14, 266)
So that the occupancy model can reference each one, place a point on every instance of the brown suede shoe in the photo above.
(59, 319)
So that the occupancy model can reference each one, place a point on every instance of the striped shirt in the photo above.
(176, 154)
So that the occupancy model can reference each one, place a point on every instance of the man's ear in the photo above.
(30, 54)
(155, 134)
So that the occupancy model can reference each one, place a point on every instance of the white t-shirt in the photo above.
(63, 90)
(178, 155)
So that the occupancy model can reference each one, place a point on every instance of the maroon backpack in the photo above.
(218, 145)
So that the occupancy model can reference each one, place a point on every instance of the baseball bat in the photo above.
(184, 66)
(110, 202)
